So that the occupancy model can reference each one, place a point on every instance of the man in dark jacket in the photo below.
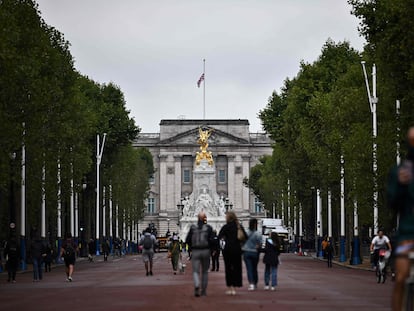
(38, 251)
(198, 240)
(11, 252)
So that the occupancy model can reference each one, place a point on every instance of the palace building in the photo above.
(179, 180)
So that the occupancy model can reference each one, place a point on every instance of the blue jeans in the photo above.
(37, 269)
(270, 270)
(251, 259)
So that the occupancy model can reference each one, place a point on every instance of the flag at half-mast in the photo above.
(200, 80)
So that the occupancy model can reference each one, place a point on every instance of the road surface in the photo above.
(120, 284)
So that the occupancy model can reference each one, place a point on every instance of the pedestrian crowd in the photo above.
(237, 245)
(42, 253)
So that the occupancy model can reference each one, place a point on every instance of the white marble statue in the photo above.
(221, 207)
(204, 203)
(187, 206)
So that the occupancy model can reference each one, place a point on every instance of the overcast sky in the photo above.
(154, 50)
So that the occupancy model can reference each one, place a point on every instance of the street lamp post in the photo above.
(23, 204)
(168, 230)
(12, 206)
(373, 100)
(180, 207)
(319, 228)
(342, 256)
(99, 151)
(82, 229)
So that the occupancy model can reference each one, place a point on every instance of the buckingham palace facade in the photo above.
(235, 150)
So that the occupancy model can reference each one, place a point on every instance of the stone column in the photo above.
(177, 192)
(238, 184)
(246, 203)
(231, 178)
(177, 181)
(163, 183)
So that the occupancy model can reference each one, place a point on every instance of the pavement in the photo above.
(364, 265)
(305, 283)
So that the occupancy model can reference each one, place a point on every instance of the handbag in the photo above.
(241, 235)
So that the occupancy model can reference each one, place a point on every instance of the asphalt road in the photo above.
(121, 284)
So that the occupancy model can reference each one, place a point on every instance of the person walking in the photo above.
(105, 249)
(91, 249)
(48, 257)
(198, 240)
(215, 252)
(232, 253)
(11, 252)
(37, 251)
(329, 252)
(251, 253)
(271, 260)
(174, 251)
(400, 194)
(68, 252)
(324, 244)
(148, 242)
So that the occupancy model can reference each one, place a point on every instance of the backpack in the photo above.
(69, 251)
(199, 238)
(147, 243)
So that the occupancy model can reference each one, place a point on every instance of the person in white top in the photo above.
(380, 241)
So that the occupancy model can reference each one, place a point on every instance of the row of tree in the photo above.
(56, 113)
(323, 114)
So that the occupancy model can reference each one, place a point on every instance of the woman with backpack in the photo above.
(271, 260)
(68, 252)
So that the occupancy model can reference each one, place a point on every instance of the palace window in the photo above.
(186, 176)
(257, 208)
(222, 176)
(151, 205)
(152, 179)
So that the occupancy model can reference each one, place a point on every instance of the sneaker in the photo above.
(266, 287)
(151, 273)
(196, 292)
(251, 287)
(147, 274)
(273, 288)
(203, 292)
(70, 279)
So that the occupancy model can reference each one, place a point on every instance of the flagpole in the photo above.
(204, 89)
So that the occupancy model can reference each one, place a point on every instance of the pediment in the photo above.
(217, 138)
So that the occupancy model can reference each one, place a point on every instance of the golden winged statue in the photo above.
(203, 142)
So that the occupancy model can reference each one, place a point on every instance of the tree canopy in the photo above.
(322, 114)
(56, 112)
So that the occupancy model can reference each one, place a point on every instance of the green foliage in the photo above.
(57, 113)
(323, 113)
(320, 115)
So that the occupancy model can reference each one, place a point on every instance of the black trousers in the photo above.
(215, 255)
